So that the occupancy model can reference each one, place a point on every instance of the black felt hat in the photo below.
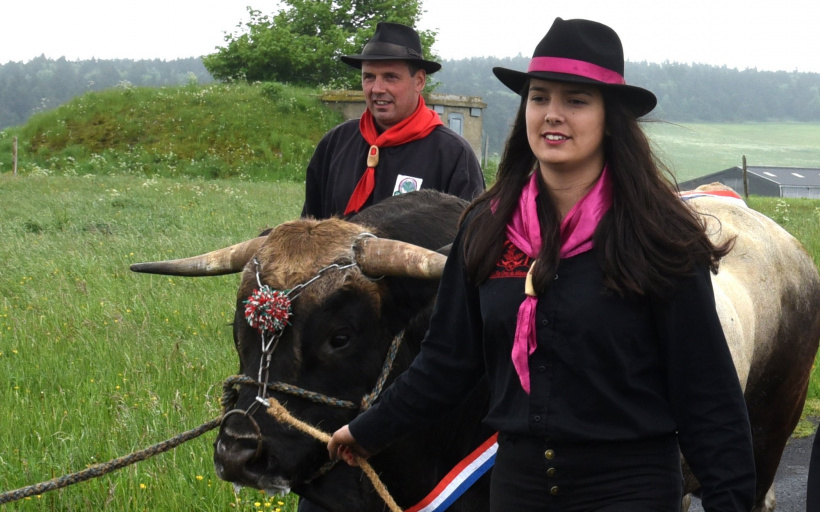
(393, 41)
(581, 51)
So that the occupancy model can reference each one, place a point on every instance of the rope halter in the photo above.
(269, 312)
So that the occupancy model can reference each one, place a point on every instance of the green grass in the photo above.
(98, 361)
(260, 132)
(694, 150)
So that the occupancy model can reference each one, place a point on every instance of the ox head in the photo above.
(351, 293)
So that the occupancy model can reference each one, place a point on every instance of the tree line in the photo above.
(686, 93)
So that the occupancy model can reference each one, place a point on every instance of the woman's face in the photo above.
(566, 126)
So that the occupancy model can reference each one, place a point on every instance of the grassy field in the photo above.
(98, 362)
(694, 150)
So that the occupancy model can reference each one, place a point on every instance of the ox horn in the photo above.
(228, 260)
(385, 257)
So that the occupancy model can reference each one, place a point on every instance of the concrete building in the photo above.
(766, 181)
(462, 114)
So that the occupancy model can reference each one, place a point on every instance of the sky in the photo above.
(781, 35)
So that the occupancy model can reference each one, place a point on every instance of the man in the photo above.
(399, 145)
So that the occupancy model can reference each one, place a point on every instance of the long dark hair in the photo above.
(647, 238)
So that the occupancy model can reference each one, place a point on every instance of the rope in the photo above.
(276, 410)
(284, 388)
(107, 467)
(228, 394)
(368, 400)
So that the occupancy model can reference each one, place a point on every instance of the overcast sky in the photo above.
(779, 35)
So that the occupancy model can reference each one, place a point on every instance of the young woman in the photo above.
(579, 285)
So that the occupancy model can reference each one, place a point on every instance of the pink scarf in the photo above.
(524, 231)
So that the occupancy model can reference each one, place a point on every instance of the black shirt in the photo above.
(605, 369)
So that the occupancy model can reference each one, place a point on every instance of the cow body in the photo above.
(767, 294)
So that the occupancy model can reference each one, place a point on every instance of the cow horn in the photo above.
(385, 257)
(228, 260)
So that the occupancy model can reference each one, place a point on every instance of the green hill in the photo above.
(260, 132)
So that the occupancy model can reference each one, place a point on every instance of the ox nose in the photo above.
(237, 447)
(232, 458)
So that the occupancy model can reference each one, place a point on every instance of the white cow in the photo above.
(768, 298)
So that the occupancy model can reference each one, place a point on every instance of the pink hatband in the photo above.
(575, 67)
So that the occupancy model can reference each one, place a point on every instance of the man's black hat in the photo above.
(393, 41)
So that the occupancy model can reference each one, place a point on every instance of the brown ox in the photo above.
(767, 294)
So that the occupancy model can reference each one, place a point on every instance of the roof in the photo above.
(783, 176)
(789, 176)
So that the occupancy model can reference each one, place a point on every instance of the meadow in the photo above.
(692, 150)
(97, 362)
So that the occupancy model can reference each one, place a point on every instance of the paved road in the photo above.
(790, 480)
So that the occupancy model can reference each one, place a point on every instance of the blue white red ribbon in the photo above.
(460, 478)
(729, 195)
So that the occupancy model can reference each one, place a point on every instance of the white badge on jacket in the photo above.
(405, 184)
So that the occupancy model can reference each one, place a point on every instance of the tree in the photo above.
(301, 44)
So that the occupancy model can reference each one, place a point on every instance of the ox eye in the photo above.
(339, 340)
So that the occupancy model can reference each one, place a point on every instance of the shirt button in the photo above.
(537, 418)
(542, 369)
(549, 454)
(554, 490)
(555, 277)
(544, 322)
(551, 472)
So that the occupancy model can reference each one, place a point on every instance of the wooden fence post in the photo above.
(14, 156)
(745, 180)
(486, 148)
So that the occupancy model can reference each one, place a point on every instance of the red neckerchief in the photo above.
(524, 231)
(417, 126)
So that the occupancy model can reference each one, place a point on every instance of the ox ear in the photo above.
(385, 257)
(228, 260)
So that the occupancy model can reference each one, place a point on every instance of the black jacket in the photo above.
(442, 161)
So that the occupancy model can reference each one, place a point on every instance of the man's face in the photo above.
(390, 92)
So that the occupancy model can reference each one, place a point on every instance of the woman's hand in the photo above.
(343, 446)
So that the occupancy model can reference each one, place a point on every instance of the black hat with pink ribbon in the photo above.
(581, 51)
